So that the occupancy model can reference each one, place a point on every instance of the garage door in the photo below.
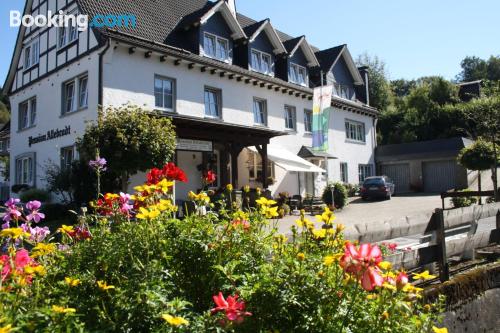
(400, 175)
(439, 176)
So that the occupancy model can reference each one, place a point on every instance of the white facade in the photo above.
(122, 77)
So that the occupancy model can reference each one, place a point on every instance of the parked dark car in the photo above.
(377, 187)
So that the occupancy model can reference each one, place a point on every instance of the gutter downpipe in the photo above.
(100, 88)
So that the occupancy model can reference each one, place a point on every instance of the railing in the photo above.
(441, 223)
(465, 194)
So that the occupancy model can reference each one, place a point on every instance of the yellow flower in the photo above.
(40, 270)
(240, 215)
(327, 217)
(305, 223)
(389, 286)
(340, 227)
(385, 315)
(60, 309)
(385, 265)
(329, 260)
(301, 256)
(164, 185)
(409, 288)
(13, 233)
(72, 282)
(111, 196)
(174, 321)
(439, 330)
(270, 212)
(65, 229)
(229, 187)
(246, 189)
(42, 249)
(423, 276)
(371, 296)
(265, 202)
(103, 286)
(145, 214)
(6, 329)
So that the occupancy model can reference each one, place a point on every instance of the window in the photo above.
(75, 94)
(25, 170)
(261, 62)
(355, 131)
(365, 170)
(344, 91)
(67, 157)
(164, 93)
(260, 111)
(308, 121)
(216, 47)
(298, 74)
(68, 33)
(212, 102)
(255, 167)
(344, 176)
(27, 114)
(32, 54)
(290, 117)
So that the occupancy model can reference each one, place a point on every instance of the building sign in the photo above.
(50, 135)
(194, 145)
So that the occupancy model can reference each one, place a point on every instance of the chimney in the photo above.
(232, 6)
(364, 74)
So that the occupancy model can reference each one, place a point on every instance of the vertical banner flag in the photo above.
(322, 99)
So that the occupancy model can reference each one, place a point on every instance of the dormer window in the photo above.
(216, 47)
(298, 74)
(261, 62)
(32, 53)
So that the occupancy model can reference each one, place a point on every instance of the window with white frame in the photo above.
(255, 167)
(27, 114)
(261, 62)
(260, 111)
(344, 176)
(212, 102)
(308, 117)
(67, 34)
(25, 172)
(290, 117)
(32, 53)
(355, 131)
(298, 74)
(164, 93)
(216, 47)
(365, 170)
(67, 157)
(75, 94)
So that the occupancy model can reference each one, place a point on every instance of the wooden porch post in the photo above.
(224, 161)
(235, 152)
(263, 155)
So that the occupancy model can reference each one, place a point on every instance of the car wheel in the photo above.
(388, 197)
(364, 198)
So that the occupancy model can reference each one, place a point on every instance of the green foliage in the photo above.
(59, 212)
(352, 189)
(474, 68)
(340, 195)
(6, 171)
(34, 194)
(130, 139)
(463, 202)
(478, 156)
(379, 87)
(59, 182)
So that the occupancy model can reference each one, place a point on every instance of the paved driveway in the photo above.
(359, 211)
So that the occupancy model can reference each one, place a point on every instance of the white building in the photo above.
(229, 83)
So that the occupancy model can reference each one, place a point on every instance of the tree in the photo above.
(482, 117)
(379, 86)
(478, 157)
(131, 139)
(474, 68)
(4, 108)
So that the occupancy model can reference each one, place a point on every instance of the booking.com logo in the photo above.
(81, 21)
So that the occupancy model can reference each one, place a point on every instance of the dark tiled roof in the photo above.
(155, 19)
(252, 28)
(415, 150)
(327, 57)
(292, 43)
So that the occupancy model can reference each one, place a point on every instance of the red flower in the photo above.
(363, 263)
(209, 177)
(234, 310)
(154, 176)
(172, 172)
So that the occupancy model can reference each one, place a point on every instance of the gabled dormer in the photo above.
(296, 66)
(263, 46)
(338, 68)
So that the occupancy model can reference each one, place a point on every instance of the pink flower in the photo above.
(12, 213)
(392, 246)
(363, 263)
(22, 259)
(12, 202)
(125, 206)
(39, 234)
(401, 280)
(234, 310)
(5, 266)
(35, 215)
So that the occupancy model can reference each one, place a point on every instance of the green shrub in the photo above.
(352, 190)
(34, 194)
(463, 202)
(340, 195)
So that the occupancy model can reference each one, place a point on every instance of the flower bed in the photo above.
(131, 266)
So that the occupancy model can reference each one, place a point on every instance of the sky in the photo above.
(413, 37)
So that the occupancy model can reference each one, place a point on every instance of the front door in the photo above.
(190, 162)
